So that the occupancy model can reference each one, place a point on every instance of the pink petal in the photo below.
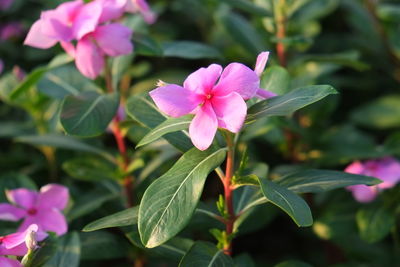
(203, 80)
(231, 111)
(388, 171)
(22, 197)
(114, 39)
(53, 196)
(112, 9)
(11, 213)
(203, 127)
(69, 48)
(87, 19)
(175, 100)
(37, 38)
(363, 193)
(355, 168)
(57, 23)
(262, 59)
(265, 94)
(13, 240)
(6, 262)
(89, 58)
(141, 6)
(238, 78)
(52, 220)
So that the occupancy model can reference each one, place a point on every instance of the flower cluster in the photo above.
(87, 31)
(387, 169)
(216, 96)
(42, 208)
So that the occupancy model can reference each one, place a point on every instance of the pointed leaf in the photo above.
(205, 254)
(123, 218)
(288, 201)
(315, 181)
(68, 252)
(287, 104)
(89, 113)
(168, 126)
(189, 50)
(276, 79)
(142, 109)
(170, 201)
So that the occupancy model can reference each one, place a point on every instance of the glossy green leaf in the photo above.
(205, 254)
(315, 181)
(63, 81)
(64, 142)
(249, 6)
(170, 201)
(287, 104)
(28, 82)
(168, 126)
(382, 113)
(189, 50)
(288, 201)
(276, 79)
(374, 223)
(142, 109)
(123, 218)
(68, 252)
(103, 245)
(89, 113)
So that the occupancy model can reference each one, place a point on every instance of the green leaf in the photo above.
(142, 109)
(103, 245)
(119, 67)
(89, 113)
(276, 79)
(47, 249)
(250, 179)
(293, 263)
(382, 113)
(146, 46)
(288, 201)
(287, 104)
(242, 31)
(170, 201)
(205, 254)
(250, 7)
(374, 223)
(90, 169)
(347, 58)
(189, 50)
(63, 81)
(68, 252)
(315, 181)
(168, 126)
(28, 82)
(62, 141)
(123, 218)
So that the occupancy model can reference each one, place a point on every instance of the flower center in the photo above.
(32, 211)
(209, 96)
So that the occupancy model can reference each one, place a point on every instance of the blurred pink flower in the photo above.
(42, 208)
(14, 244)
(81, 22)
(141, 6)
(261, 62)
(10, 30)
(4, 4)
(386, 169)
(7, 262)
(216, 96)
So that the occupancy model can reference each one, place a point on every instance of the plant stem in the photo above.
(280, 22)
(120, 139)
(228, 191)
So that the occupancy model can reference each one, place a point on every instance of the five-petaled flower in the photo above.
(42, 208)
(15, 245)
(386, 169)
(216, 96)
(90, 26)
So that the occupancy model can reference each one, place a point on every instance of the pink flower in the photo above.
(10, 30)
(42, 208)
(6, 262)
(5, 4)
(82, 22)
(15, 244)
(141, 6)
(386, 169)
(216, 96)
(262, 59)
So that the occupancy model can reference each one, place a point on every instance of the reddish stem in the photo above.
(228, 191)
(280, 22)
